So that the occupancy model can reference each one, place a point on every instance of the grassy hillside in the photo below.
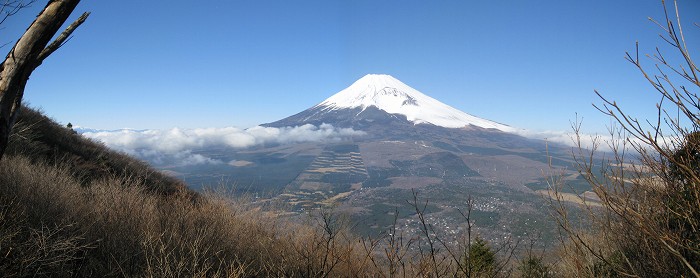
(70, 207)
(40, 139)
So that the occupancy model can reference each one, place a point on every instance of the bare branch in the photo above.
(24, 58)
(63, 38)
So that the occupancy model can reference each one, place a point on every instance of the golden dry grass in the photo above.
(114, 227)
(71, 208)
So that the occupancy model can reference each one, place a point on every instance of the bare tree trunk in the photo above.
(27, 54)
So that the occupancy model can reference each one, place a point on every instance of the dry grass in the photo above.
(71, 208)
(53, 225)
(648, 219)
(40, 139)
(114, 227)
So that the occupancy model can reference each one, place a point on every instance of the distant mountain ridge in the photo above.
(379, 98)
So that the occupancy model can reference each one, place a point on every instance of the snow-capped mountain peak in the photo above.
(393, 96)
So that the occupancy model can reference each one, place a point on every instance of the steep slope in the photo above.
(71, 208)
(379, 98)
(40, 139)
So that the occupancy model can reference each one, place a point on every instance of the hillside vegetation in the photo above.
(648, 219)
(71, 207)
(41, 140)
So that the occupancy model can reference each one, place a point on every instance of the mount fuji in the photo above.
(380, 98)
(408, 141)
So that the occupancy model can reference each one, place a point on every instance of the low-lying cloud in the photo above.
(560, 137)
(569, 138)
(164, 146)
(599, 142)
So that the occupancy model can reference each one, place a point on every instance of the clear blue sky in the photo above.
(162, 64)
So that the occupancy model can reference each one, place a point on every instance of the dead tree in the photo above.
(27, 54)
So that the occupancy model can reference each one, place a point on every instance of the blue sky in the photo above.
(164, 64)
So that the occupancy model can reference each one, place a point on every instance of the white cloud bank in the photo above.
(178, 146)
(162, 146)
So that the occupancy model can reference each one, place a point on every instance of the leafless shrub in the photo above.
(430, 254)
(648, 185)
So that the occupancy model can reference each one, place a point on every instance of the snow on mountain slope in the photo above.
(393, 96)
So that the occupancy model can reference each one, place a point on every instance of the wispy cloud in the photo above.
(164, 146)
(560, 137)
(569, 138)
(600, 142)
